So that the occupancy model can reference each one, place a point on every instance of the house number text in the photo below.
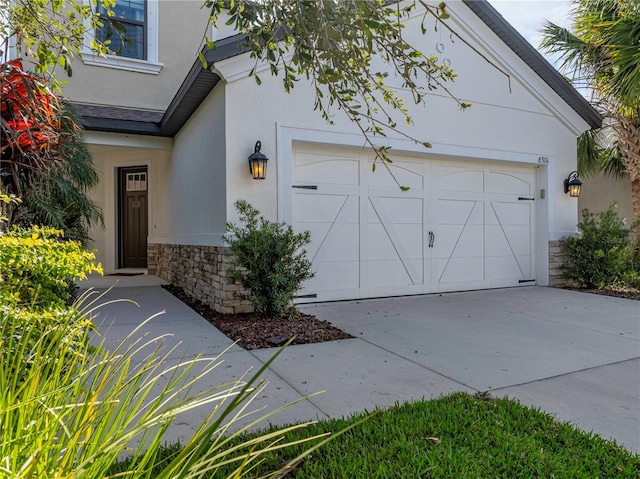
(543, 160)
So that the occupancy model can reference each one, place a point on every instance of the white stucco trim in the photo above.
(122, 63)
(130, 141)
(239, 67)
(150, 65)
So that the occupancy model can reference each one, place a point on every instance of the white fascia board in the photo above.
(127, 140)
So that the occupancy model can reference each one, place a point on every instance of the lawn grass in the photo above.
(459, 437)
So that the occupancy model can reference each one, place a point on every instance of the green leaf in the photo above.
(203, 60)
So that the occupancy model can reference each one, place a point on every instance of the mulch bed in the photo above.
(620, 292)
(253, 333)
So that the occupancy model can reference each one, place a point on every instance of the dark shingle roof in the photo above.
(199, 82)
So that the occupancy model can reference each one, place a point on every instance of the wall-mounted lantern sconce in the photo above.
(572, 184)
(258, 163)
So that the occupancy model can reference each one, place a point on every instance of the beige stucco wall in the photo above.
(154, 153)
(196, 194)
(181, 27)
(600, 191)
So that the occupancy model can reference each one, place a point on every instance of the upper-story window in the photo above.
(132, 15)
(139, 18)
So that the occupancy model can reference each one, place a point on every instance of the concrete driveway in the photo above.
(572, 354)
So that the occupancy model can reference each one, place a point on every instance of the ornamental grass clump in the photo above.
(77, 416)
(72, 409)
(269, 260)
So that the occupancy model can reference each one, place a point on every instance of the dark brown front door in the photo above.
(133, 183)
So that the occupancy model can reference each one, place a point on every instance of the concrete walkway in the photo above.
(574, 355)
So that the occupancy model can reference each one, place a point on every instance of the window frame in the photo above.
(150, 66)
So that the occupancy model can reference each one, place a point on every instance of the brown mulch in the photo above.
(619, 292)
(253, 333)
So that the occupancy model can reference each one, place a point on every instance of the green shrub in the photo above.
(36, 292)
(36, 266)
(631, 276)
(600, 254)
(269, 260)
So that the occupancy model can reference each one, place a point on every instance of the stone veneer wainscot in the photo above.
(201, 271)
(556, 260)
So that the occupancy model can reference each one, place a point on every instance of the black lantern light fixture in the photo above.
(258, 163)
(572, 184)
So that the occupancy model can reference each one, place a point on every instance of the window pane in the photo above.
(127, 10)
(134, 35)
(131, 15)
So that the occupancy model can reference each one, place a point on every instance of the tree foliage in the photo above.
(29, 125)
(44, 159)
(59, 196)
(600, 51)
(348, 50)
(53, 31)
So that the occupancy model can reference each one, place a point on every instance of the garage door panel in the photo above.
(318, 232)
(393, 273)
(406, 173)
(460, 212)
(382, 247)
(341, 243)
(321, 208)
(509, 266)
(459, 270)
(370, 239)
(334, 274)
(509, 213)
(514, 239)
(460, 178)
(458, 241)
(395, 210)
(513, 182)
(327, 169)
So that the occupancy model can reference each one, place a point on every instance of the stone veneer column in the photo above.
(202, 272)
(556, 260)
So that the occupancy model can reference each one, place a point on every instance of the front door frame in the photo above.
(121, 172)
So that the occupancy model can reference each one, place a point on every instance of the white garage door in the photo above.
(461, 226)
